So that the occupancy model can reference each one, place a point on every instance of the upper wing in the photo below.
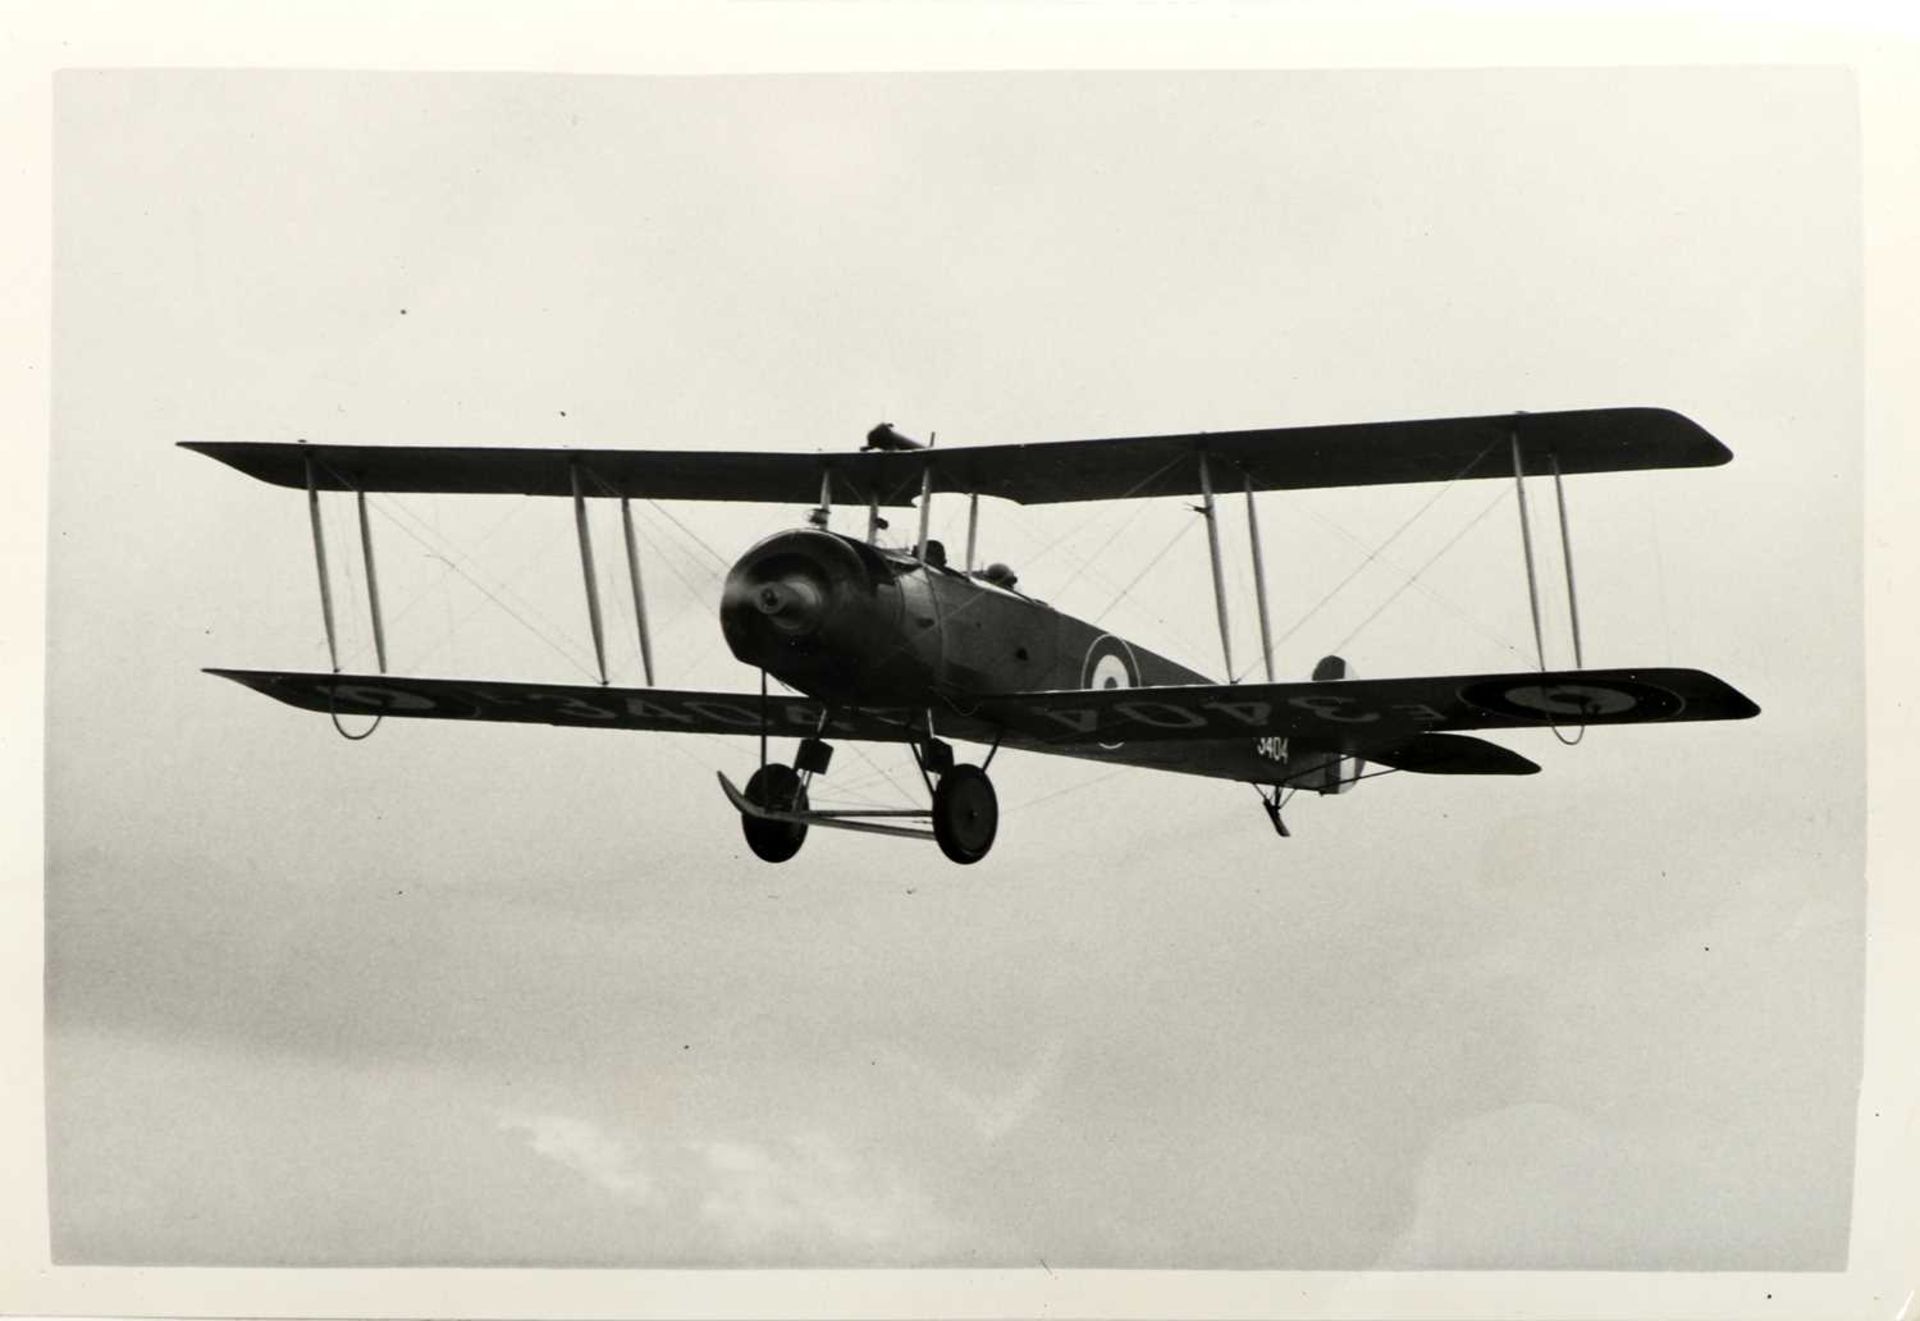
(1282, 458)
(1353, 454)
(1355, 714)
(578, 705)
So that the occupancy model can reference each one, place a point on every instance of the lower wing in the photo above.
(578, 705)
(1231, 731)
(1353, 714)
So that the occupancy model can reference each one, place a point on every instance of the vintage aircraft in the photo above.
(897, 645)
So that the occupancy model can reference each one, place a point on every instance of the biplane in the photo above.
(899, 645)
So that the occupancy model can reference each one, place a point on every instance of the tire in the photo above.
(778, 787)
(966, 814)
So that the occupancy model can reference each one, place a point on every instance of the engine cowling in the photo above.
(821, 612)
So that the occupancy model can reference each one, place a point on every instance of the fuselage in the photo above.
(857, 625)
(847, 622)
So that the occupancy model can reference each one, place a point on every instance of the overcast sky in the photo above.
(463, 994)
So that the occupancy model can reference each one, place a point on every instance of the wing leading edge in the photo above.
(1365, 716)
(580, 706)
(1356, 714)
(1277, 458)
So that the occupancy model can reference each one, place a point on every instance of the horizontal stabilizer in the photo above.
(1452, 754)
(1360, 715)
(1270, 459)
(579, 705)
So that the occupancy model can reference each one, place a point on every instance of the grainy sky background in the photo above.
(465, 995)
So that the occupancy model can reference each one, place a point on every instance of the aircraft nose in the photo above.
(807, 606)
(783, 592)
(793, 603)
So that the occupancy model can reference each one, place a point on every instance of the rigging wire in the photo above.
(1451, 543)
(1048, 547)
(698, 540)
(448, 560)
(1374, 554)
(1087, 562)
(485, 537)
(442, 585)
(867, 782)
(662, 551)
(1186, 526)
(454, 557)
(1062, 793)
(1426, 589)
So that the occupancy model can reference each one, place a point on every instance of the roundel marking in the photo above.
(1110, 671)
(1606, 699)
(1109, 664)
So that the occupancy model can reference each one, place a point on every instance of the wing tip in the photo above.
(1729, 703)
(1708, 450)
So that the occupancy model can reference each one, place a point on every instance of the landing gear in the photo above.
(775, 815)
(966, 814)
(779, 788)
(1273, 803)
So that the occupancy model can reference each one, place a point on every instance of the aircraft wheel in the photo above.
(779, 787)
(966, 814)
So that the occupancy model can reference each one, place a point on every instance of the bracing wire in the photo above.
(503, 594)
(482, 540)
(441, 583)
(453, 557)
(1375, 553)
(1048, 547)
(698, 540)
(1087, 562)
(661, 551)
(1088, 567)
(1062, 793)
(454, 567)
(1428, 564)
(1186, 526)
(1433, 594)
(866, 782)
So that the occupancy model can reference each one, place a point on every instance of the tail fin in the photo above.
(1337, 776)
(1331, 667)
